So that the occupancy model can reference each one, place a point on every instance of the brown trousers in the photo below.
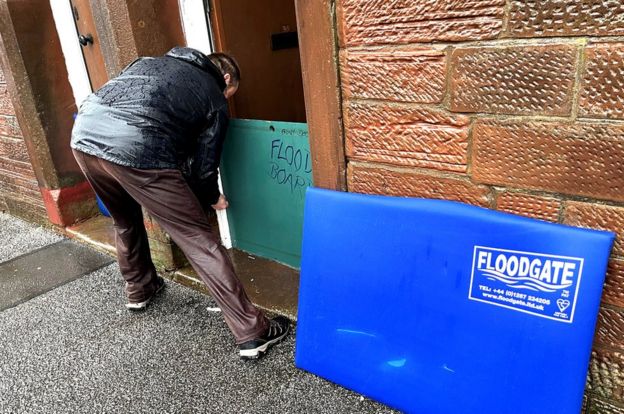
(166, 196)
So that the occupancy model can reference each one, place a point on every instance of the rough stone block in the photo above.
(168, 254)
(597, 406)
(400, 21)
(408, 136)
(13, 184)
(2, 78)
(165, 257)
(610, 328)
(154, 230)
(69, 205)
(597, 216)
(408, 76)
(543, 18)
(14, 149)
(26, 209)
(602, 87)
(584, 159)
(606, 374)
(397, 182)
(9, 127)
(520, 80)
(20, 168)
(6, 107)
(614, 286)
(543, 208)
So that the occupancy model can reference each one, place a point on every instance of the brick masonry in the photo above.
(598, 406)
(19, 190)
(398, 182)
(13, 148)
(597, 216)
(557, 157)
(543, 208)
(399, 21)
(606, 373)
(602, 86)
(516, 105)
(406, 135)
(542, 18)
(408, 76)
(521, 80)
(5, 100)
(610, 328)
(614, 285)
(9, 127)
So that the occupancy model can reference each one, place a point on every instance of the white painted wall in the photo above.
(74, 60)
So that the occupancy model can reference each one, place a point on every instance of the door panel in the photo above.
(266, 164)
(91, 50)
(266, 169)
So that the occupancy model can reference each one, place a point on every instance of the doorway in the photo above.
(266, 164)
(262, 36)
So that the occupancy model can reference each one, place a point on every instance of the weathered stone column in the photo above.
(128, 29)
(37, 82)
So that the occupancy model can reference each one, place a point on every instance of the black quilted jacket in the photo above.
(160, 113)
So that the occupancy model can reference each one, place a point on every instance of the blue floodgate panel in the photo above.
(436, 307)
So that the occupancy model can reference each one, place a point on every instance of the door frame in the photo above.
(74, 60)
(317, 26)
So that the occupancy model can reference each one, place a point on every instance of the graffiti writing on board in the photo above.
(296, 132)
(290, 166)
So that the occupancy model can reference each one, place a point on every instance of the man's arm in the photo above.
(203, 178)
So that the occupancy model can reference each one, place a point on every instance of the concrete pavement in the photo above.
(75, 349)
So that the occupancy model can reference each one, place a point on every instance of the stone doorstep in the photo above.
(270, 285)
(97, 232)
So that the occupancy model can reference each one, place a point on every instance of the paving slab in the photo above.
(75, 349)
(18, 237)
(43, 269)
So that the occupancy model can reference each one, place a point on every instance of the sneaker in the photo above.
(278, 329)
(138, 306)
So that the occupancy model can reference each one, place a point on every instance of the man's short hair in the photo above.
(227, 65)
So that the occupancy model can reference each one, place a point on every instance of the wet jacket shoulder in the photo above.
(160, 113)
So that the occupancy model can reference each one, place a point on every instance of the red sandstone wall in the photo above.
(516, 105)
(19, 191)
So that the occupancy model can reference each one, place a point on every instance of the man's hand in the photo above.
(221, 204)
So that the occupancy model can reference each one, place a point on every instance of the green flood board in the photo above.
(266, 168)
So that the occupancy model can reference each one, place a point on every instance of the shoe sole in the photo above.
(140, 306)
(256, 353)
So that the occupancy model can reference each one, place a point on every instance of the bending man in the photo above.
(152, 137)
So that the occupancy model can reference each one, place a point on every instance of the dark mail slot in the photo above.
(286, 40)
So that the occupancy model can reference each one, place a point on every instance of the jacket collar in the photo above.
(197, 58)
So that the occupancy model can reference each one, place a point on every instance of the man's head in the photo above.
(230, 70)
